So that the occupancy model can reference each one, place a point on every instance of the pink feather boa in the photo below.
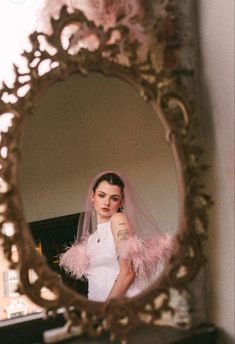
(147, 257)
(75, 260)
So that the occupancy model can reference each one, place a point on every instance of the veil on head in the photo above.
(147, 248)
(142, 223)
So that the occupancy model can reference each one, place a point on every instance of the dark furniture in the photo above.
(32, 333)
(52, 236)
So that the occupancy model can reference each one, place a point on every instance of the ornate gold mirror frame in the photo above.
(161, 82)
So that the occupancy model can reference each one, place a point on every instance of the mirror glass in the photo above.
(86, 125)
(81, 127)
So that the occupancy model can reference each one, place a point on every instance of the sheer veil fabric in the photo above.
(147, 248)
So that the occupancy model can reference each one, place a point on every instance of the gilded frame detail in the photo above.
(160, 81)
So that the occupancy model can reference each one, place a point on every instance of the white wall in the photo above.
(84, 126)
(216, 87)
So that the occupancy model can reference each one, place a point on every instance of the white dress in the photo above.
(103, 266)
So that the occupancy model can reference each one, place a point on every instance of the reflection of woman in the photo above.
(111, 251)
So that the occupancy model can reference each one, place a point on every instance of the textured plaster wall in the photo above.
(216, 92)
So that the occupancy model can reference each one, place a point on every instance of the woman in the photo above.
(108, 252)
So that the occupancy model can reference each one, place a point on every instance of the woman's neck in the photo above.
(101, 219)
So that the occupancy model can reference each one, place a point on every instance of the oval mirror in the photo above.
(83, 126)
(161, 82)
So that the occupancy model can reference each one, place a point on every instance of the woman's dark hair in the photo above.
(110, 177)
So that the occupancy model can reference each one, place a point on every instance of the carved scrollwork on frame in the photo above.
(77, 45)
(194, 201)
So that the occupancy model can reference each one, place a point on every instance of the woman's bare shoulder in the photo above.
(120, 227)
(117, 217)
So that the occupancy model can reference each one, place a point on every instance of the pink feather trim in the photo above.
(75, 260)
(147, 257)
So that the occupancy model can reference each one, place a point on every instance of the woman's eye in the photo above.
(101, 196)
(115, 199)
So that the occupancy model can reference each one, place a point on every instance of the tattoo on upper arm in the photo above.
(122, 235)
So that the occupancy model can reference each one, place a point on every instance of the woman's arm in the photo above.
(120, 229)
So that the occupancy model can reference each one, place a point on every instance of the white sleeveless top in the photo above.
(103, 266)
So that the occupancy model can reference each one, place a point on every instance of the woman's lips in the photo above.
(105, 209)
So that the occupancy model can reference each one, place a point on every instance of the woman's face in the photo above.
(106, 199)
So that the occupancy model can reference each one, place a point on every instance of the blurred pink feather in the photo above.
(147, 257)
(105, 13)
(75, 260)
